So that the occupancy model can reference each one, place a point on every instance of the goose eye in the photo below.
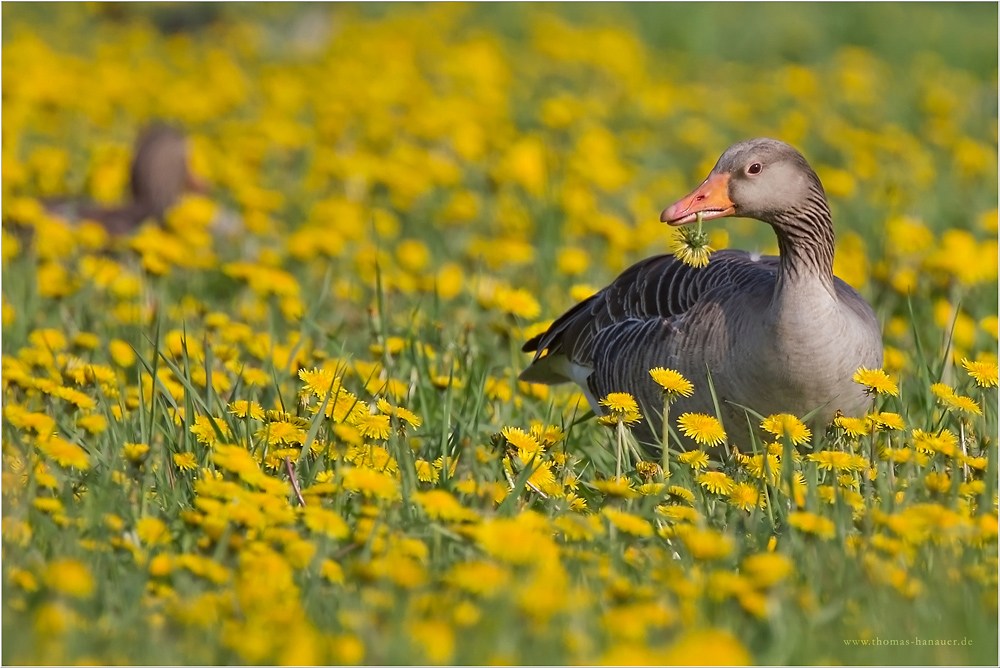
(754, 168)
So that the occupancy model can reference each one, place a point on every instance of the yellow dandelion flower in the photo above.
(886, 421)
(426, 471)
(937, 482)
(242, 409)
(833, 460)
(64, 453)
(942, 391)
(696, 459)
(441, 505)
(612, 420)
(678, 513)
(785, 424)
(672, 382)
(876, 380)
(185, 461)
(766, 569)
(372, 426)
(332, 571)
(984, 373)
(152, 531)
(744, 496)
(521, 440)
(69, 576)
(326, 522)
(715, 482)
(620, 404)
(944, 442)
(627, 522)
(478, 577)
(75, 397)
(679, 493)
(370, 482)
(705, 647)
(517, 302)
(95, 424)
(704, 429)
(135, 452)
(321, 382)
(690, 246)
(619, 487)
(812, 523)
(280, 432)
(852, 426)
(121, 353)
(707, 544)
(400, 412)
(952, 401)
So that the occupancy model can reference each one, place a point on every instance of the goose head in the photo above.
(160, 171)
(765, 179)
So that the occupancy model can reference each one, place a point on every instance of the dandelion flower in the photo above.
(520, 439)
(852, 426)
(682, 493)
(69, 576)
(152, 531)
(743, 496)
(372, 426)
(616, 487)
(767, 569)
(785, 424)
(876, 380)
(613, 419)
(984, 373)
(704, 429)
(242, 409)
(886, 421)
(64, 453)
(937, 482)
(620, 404)
(696, 459)
(812, 523)
(715, 482)
(135, 452)
(951, 400)
(185, 461)
(426, 471)
(707, 544)
(690, 246)
(833, 460)
(627, 522)
(674, 384)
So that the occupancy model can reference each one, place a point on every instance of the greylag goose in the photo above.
(158, 176)
(778, 334)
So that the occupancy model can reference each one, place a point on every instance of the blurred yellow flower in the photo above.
(69, 576)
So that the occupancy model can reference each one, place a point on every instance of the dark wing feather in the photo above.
(660, 287)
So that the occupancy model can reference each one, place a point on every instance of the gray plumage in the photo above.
(779, 334)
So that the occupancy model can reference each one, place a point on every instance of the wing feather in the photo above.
(635, 305)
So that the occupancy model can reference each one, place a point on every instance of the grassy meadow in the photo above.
(285, 425)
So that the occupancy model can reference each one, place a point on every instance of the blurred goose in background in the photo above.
(778, 334)
(159, 175)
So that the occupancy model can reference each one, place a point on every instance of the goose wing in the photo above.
(632, 310)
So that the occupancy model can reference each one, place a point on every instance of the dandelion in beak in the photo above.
(690, 246)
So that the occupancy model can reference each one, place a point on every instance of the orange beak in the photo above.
(710, 199)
